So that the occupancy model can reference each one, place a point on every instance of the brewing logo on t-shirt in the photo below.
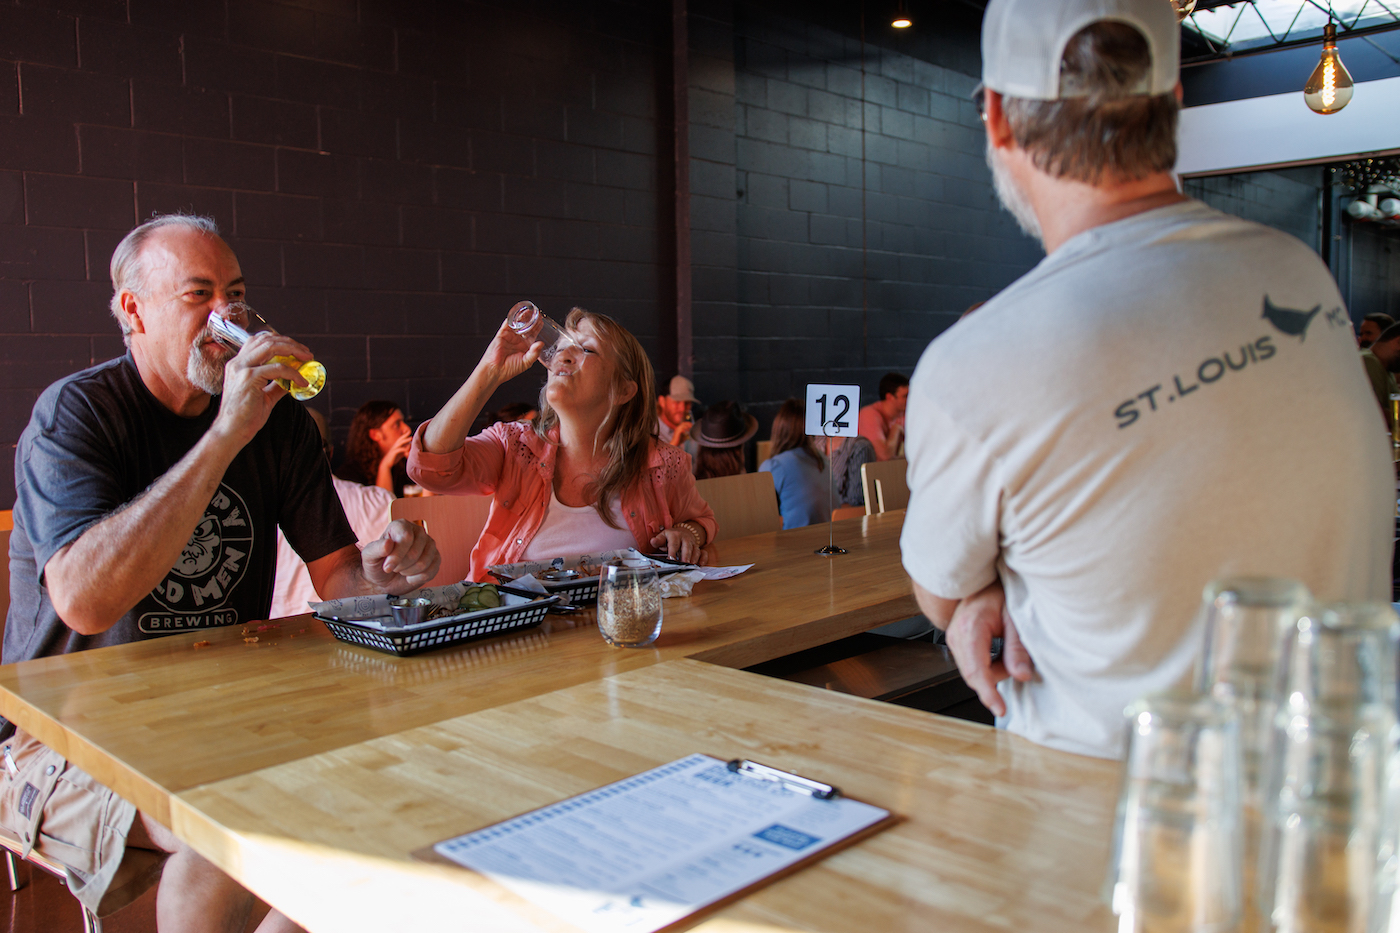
(195, 592)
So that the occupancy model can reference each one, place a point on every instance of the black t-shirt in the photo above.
(97, 440)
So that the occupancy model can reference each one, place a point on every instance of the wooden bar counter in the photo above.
(998, 833)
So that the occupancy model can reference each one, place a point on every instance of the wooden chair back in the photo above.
(7, 524)
(765, 450)
(455, 523)
(885, 484)
(746, 504)
(848, 511)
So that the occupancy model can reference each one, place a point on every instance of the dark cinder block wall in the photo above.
(394, 174)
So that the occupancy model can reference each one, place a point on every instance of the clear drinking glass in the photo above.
(1247, 621)
(629, 603)
(236, 323)
(1176, 861)
(533, 324)
(1334, 735)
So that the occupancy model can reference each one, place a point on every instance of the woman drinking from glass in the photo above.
(587, 475)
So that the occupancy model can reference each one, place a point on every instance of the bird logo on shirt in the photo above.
(1288, 320)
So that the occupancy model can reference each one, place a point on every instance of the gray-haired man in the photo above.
(149, 490)
(1197, 412)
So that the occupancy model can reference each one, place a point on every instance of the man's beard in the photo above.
(206, 374)
(1011, 196)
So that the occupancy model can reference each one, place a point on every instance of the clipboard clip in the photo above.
(786, 778)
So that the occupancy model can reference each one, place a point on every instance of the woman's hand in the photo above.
(680, 543)
(398, 452)
(508, 355)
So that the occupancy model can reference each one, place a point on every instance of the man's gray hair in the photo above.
(128, 270)
(1107, 130)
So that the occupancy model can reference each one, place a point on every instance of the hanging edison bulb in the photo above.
(1183, 8)
(1329, 88)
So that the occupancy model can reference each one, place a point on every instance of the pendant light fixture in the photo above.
(901, 17)
(1329, 88)
(1183, 8)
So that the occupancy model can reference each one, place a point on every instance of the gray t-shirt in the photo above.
(1187, 406)
(95, 441)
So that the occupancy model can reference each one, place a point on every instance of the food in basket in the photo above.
(480, 596)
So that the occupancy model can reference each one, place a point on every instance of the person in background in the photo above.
(377, 448)
(1382, 359)
(1186, 403)
(587, 475)
(721, 436)
(673, 423)
(798, 468)
(148, 493)
(1371, 327)
(882, 422)
(517, 411)
(367, 508)
(847, 457)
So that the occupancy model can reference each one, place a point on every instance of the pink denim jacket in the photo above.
(515, 466)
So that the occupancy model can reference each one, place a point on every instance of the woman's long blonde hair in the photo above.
(634, 423)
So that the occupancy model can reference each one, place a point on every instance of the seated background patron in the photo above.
(587, 475)
(721, 436)
(882, 422)
(798, 468)
(376, 451)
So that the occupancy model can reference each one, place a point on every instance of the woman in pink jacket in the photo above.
(587, 475)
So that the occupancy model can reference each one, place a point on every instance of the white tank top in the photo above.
(577, 530)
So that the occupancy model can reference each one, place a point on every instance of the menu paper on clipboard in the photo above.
(646, 852)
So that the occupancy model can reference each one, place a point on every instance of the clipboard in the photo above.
(658, 882)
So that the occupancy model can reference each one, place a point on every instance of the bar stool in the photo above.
(13, 847)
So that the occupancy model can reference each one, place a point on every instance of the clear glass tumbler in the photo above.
(1247, 620)
(1177, 862)
(1334, 735)
(236, 323)
(533, 324)
(629, 603)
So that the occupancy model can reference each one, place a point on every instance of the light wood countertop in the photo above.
(999, 834)
(157, 717)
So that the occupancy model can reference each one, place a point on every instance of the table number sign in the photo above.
(832, 410)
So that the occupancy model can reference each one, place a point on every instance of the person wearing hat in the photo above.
(1198, 411)
(673, 424)
(720, 438)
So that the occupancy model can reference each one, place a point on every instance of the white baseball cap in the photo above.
(1024, 40)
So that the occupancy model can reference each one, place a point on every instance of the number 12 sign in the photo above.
(832, 410)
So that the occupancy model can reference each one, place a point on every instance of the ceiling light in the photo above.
(1329, 88)
(901, 18)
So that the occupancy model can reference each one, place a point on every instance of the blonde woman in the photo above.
(587, 475)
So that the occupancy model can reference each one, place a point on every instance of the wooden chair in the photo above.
(455, 523)
(765, 450)
(848, 511)
(746, 504)
(885, 484)
(13, 847)
(7, 524)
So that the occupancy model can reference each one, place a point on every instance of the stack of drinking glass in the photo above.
(1268, 798)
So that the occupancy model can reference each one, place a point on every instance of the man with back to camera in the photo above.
(882, 422)
(149, 489)
(1198, 410)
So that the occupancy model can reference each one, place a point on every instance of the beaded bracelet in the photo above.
(694, 534)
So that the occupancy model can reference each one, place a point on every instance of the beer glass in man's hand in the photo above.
(236, 324)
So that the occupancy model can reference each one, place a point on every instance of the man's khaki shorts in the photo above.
(67, 816)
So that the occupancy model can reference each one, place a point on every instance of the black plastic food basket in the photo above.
(450, 630)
